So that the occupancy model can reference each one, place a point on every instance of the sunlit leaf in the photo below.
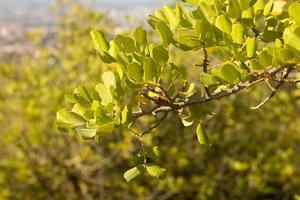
(133, 173)
(223, 23)
(251, 47)
(99, 40)
(201, 135)
(125, 44)
(294, 11)
(156, 171)
(237, 33)
(166, 35)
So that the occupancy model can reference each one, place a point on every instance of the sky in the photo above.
(30, 11)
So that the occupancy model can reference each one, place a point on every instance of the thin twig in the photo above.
(205, 65)
(140, 136)
(153, 126)
(284, 76)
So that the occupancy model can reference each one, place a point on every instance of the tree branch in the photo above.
(218, 95)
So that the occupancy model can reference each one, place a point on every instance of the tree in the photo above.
(242, 43)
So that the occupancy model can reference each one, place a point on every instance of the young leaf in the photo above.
(166, 34)
(124, 115)
(104, 93)
(156, 171)
(140, 36)
(170, 14)
(251, 47)
(125, 44)
(265, 59)
(230, 74)
(87, 133)
(292, 38)
(135, 72)
(67, 119)
(238, 33)
(150, 69)
(159, 54)
(201, 135)
(99, 40)
(133, 172)
(294, 11)
(233, 9)
(153, 153)
(207, 79)
(108, 79)
(187, 121)
(223, 23)
(268, 8)
(286, 55)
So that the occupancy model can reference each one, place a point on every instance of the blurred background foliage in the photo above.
(254, 154)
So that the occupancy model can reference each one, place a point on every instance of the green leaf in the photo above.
(286, 55)
(255, 65)
(170, 14)
(67, 119)
(278, 7)
(166, 34)
(247, 17)
(150, 69)
(83, 92)
(156, 171)
(187, 121)
(133, 172)
(223, 23)
(201, 27)
(99, 40)
(87, 133)
(113, 50)
(251, 47)
(259, 5)
(107, 128)
(184, 16)
(201, 135)
(252, 2)
(105, 57)
(233, 9)
(125, 44)
(292, 38)
(230, 74)
(159, 54)
(124, 115)
(265, 59)
(294, 11)
(207, 79)
(135, 72)
(268, 8)
(238, 33)
(108, 79)
(244, 4)
(104, 93)
(153, 153)
(217, 5)
(140, 36)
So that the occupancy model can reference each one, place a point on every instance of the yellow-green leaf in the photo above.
(238, 33)
(156, 171)
(201, 135)
(99, 40)
(251, 47)
(133, 173)
(223, 23)
(166, 34)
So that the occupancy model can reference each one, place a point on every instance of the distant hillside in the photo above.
(37, 13)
